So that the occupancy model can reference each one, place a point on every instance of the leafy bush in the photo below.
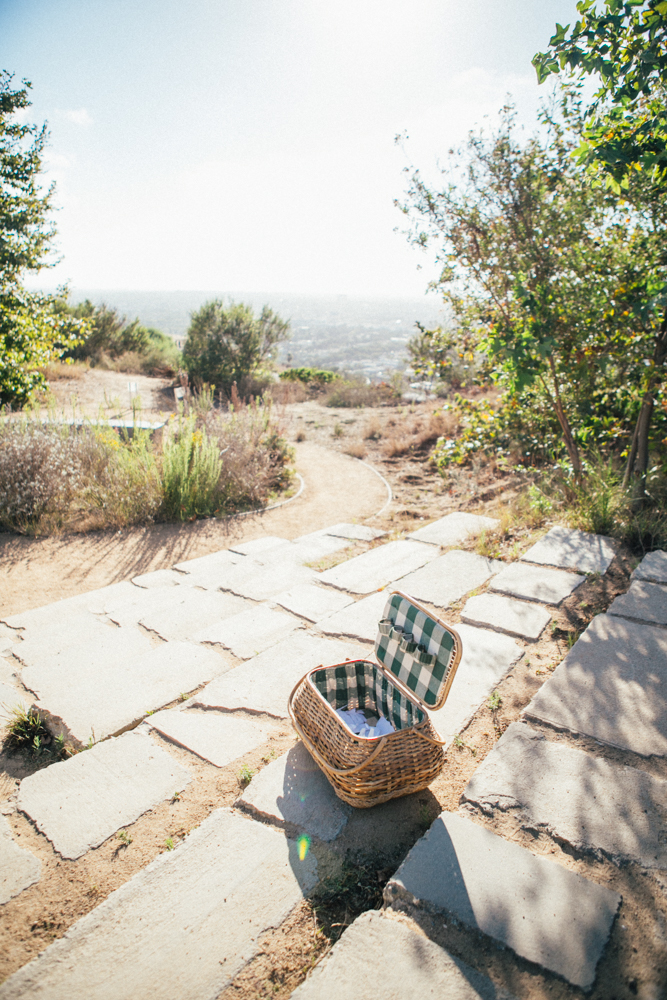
(191, 467)
(318, 376)
(114, 343)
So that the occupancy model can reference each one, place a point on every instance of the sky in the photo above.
(249, 144)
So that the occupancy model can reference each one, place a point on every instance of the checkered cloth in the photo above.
(424, 679)
(360, 684)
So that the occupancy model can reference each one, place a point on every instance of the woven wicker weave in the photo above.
(366, 772)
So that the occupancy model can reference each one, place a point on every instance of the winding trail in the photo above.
(35, 572)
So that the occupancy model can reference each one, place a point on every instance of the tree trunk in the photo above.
(568, 436)
(638, 457)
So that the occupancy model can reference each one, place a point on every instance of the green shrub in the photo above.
(191, 467)
(317, 376)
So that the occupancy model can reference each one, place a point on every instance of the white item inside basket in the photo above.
(366, 727)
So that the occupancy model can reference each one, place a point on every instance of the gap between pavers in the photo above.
(567, 548)
(159, 578)
(258, 545)
(175, 613)
(504, 614)
(449, 577)
(544, 912)
(79, 803)
(487, 658)
(358, 620)
(311, 602)
(251, 632)
(653, 568)
(264, 683)
(378, 567)
(378, 958)
(19, 869)
(644, 602)
(536, 583)
(612, 686)
(293, 790)
(55, 615)
(218, 737)
(90, 690)
(183, 927)
(582, 800)
(454, 528)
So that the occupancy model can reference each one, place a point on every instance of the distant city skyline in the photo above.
(221, 144)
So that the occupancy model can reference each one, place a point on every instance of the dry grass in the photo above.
(57, 370)
(288, 392)
(373, 430)
(356, 449)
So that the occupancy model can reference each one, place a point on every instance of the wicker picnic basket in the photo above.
(417, 658)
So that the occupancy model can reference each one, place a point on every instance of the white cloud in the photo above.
(79, 116)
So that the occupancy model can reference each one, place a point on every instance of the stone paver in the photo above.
(653, 568)
(360, 532)
(264, 683)
(487, 657)
(173, 612)
(219, 737)
(645, 602)
(580, 799)
(250, 632)
(160, 578)
(11, 697)
(183, 927)
(568, 548)
(504, 614)
(612, 686)
(215, 562)
(74, 609)
(258, 578)
(544, 912)
(358, 620)
(449, 577)
(311, 602)
(258, 545)
(376, 568)
(405, 964)
(294, 790)
(89, 690)
(536, 583)
(454, 529)
(80, 802)
(19, 869)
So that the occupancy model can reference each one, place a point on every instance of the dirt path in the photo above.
(38, 571)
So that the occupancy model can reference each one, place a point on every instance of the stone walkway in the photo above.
(206, 653)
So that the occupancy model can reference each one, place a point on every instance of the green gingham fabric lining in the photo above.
(425, 680)
(360, 684)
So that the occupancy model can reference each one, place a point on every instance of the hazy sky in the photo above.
(249, 144)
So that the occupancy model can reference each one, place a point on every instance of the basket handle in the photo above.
(317, 755)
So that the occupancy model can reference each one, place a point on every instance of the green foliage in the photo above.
(318, 376)
(624, 46)
(435, 355)
(246, 774)
(230, 345)
(191, 467)
(25, 730)
(111, 338)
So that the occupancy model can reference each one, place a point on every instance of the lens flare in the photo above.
(303, 844)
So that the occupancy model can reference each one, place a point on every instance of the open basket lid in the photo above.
(419, 650)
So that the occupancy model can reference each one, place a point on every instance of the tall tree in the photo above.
(33, 329)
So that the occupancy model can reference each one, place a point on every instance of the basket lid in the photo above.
(418, 649)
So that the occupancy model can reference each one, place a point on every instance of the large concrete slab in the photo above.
(449, 577)
(544, 912)
(159, 578)
(183, 927)
(35, 621)
(19, 869)
(487, 658)
(582, 800)
(414, 968)
(93, 690)
(612, 686)
(536, 583)
(454, 528)
(250, 632)
(358, 620)
(173, 612)
(376, 568)
(80, 802)
(294, 790)
(12, 697)
(644, 602)
(358, 532)
(264, 683)
(219, 737)
(653, 568)
(568, 548)
(214, 562)
(258, 545)
(311, 602)
(504, 614)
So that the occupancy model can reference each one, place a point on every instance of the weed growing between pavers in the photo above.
(352, 890)
(26, 732)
